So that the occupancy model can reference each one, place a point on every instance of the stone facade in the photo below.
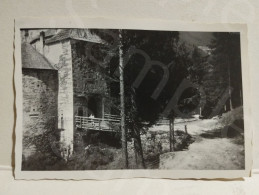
(65, 99)
(40, 99)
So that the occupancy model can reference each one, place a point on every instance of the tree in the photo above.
(198, 67)
(122, 106)
(226, 62)
(141, 109)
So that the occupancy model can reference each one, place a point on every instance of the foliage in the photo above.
(218, 71)
(46, 141)
(226, 72)
(142, 109)
(47, 148)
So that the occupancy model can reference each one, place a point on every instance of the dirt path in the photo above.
(209, 151)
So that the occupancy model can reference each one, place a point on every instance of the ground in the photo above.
(209, 150)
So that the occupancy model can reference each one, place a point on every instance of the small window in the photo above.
(34, 115)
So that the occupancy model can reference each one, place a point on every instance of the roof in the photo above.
(48, 33)
(78, 34)
(33, 59)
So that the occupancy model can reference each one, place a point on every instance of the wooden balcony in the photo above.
(108, 123)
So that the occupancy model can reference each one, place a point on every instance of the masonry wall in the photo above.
(40, 94)
(65, 99)
(53, 53)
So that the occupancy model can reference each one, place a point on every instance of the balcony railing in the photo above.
(109, 123)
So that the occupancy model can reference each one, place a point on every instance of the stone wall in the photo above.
(53, 52)
(65, 99)
(60, 56)
(40, 92)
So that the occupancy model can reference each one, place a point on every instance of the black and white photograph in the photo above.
(129, 99)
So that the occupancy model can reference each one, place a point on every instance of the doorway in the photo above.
(95, 106)
(80, 111)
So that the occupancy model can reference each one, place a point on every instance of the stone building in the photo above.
(40, 95)
(82, 89)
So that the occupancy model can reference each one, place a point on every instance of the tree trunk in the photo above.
(171, 134)
(122, 105)
(140, 162)
(241, 97)
(229, 85)
(135, 128)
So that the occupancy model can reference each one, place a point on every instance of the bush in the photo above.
(43, 161)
